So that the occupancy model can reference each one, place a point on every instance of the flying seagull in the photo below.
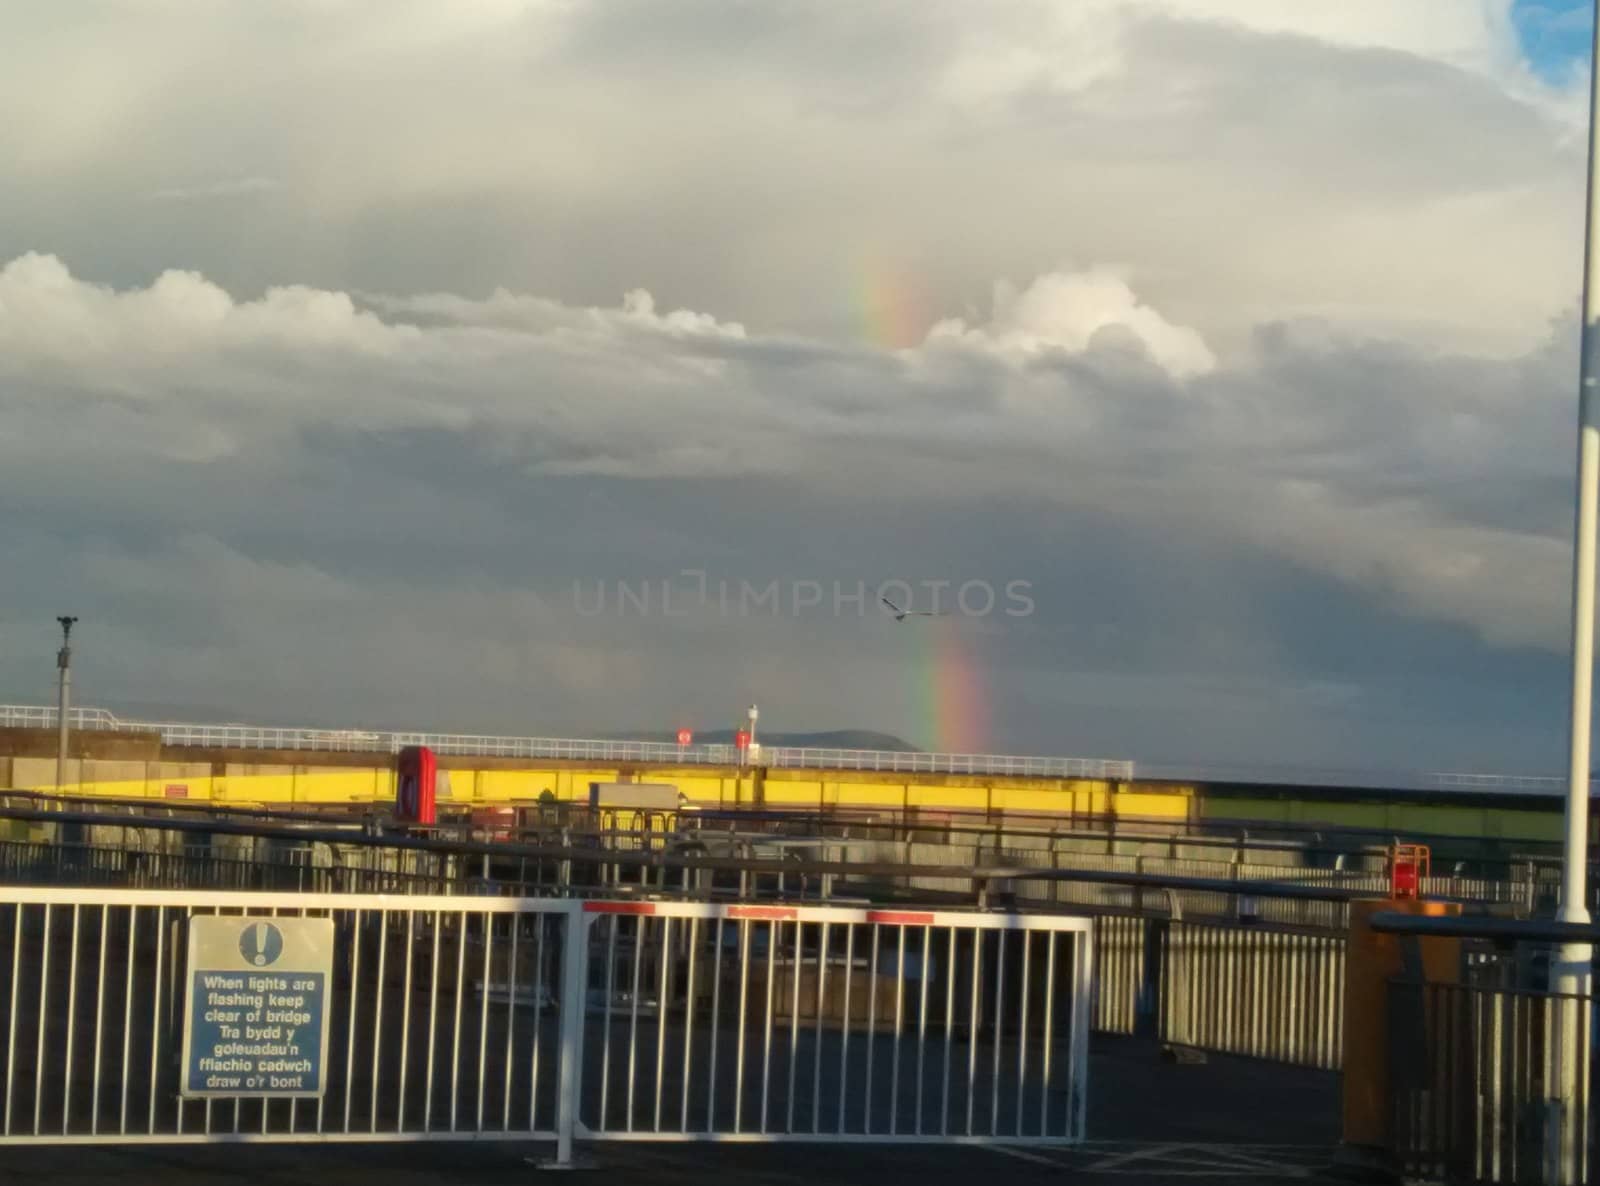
(900, 615)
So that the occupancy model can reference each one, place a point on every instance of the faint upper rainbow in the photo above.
(893, 306)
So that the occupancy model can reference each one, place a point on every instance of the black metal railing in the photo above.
(1476, 1083)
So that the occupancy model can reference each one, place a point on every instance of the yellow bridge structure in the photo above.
(335, 770)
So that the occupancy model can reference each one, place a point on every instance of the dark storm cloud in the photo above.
(299, 502)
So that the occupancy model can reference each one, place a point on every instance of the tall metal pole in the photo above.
(63, 699)
(1564, 1147)
(1573, 970)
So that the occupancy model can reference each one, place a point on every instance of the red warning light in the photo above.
(741, 739)
(685, 737)
(414, 786)
(1408, 865)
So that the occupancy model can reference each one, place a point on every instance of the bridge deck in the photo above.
(1227, 1120)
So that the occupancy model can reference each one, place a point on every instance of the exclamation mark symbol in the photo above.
(258, 944)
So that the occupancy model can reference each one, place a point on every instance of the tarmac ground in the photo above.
(1150, 1121)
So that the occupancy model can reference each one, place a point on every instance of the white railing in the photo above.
(1235, 989)
(416, 1045)
(258, 737)
(34, 716)
(773, 1022)
(470, 1018)
(1363, 777)
(913, 762)
(602, 750)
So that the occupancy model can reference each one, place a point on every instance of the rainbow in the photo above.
(949, 693)
(893, 308)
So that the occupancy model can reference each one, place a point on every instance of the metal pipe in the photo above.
(574, 970)
(605, 1026)
(688, 1025)
(662, 998)
(774, 934)
(127, 1014)
(872, 1028)
(44, 1011)
(794, 1023)
(377, 1021)
(72, 1020)
(744, 997)
(155, 1019)
(849, 1020)
(922, 1015)
(538, 1007)
(350, 1019)
(816, 1061)
(640, 927)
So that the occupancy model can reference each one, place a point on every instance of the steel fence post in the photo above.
(1147, 1010)
(574, 983)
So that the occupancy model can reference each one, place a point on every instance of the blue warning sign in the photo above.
(256, 1013)
(261, 943)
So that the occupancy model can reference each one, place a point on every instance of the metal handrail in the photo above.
(241, 736)
(957, 824)
(1519, 930)
(580, 749)
(980, 876)
(52, 801)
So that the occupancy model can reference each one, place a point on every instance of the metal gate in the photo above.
(441, 1021)
(457, 1017)
(753, 1023)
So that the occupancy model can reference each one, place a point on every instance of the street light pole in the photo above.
(63, 698)
(1570, 971)
(1574, 961)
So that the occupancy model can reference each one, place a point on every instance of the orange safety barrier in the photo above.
(1373, 960)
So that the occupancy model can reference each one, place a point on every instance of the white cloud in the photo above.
(1368, 162)
(1034, 43)
(1064, 311)
(1476, 32)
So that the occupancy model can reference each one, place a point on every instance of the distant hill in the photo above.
(832, 739)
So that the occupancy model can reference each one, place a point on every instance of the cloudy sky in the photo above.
(578, 366)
